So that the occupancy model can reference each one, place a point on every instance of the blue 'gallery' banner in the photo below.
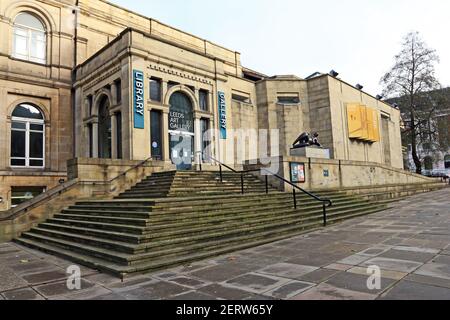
(222, 115)
(138, 99)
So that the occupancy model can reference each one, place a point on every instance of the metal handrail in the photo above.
(140, 164)
(326, 203)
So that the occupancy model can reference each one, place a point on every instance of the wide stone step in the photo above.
(102, 211)
(92, 251)
(186, 220)
(241, 243)
(104, 219)
(118, 236)
(100, 226)
(158, 244)
(108, 244)
(220, 225)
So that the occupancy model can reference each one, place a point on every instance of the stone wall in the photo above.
(89, 179)
(324, 174)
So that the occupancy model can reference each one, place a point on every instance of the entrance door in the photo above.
(181, 131)
(181, 150)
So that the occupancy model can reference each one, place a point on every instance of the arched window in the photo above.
(29, 38)
(428, 162)
(27, 137)
(447, 161)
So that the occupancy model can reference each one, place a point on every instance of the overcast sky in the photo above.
(357, 38)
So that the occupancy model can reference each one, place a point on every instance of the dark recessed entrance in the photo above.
(181, 131)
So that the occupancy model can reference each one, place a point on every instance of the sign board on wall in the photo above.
(297, 172)
(222, 115)
(138, 99)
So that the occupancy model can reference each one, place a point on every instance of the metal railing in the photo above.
(326, 203)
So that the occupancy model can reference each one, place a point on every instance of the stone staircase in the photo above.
(174, 218)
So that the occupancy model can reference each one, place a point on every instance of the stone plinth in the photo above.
(311, 152)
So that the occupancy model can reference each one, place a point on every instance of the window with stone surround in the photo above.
(27, 137)
(29, 38)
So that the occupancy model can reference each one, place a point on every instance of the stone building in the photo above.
(88, 79)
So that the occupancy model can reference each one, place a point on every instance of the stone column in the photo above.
(95, 139)
(210, 102)
(113, 94)
(197, 138)
(165, 136)
(211, 139)
(114, 136)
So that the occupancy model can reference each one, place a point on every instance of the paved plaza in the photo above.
(410, 243)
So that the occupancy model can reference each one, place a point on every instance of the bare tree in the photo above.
(412, 81)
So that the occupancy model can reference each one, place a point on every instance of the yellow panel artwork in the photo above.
(363, 123)
(364, 128)
(354, 121)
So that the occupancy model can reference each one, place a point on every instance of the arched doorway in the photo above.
(181, 130)
(104, 130)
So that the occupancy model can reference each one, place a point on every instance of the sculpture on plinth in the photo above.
(307, 139)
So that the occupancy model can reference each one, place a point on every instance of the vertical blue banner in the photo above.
(222, 115)
(138, 99)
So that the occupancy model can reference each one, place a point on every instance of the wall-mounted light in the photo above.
(61, 181)
(333, 73)
(359, 87)
(379, 97)
(1, 200)
(395, 105)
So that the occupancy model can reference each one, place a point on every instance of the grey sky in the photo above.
(357, 38)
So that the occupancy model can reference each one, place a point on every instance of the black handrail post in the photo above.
(221, 176)
(324, 215)
(295, 199)
(242, 183)
(267, 184)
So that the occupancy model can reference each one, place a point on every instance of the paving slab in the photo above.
(393, 264)
(325, 291)
(357, 282)
(60, 288)
(155, 291)
(408, 290)
(23, 294)
(189, 282)
(9, 280)
(219, 273)
(44, 277)
(388, 274)
(429, 280)
(354, 260)
(289, 290)
(287, 270)
(408, 255)
(319, 275)
(256, 283)
(224, 292)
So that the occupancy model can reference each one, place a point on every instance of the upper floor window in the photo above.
(155, 90)
(288, 100)
(27, 137)
(203, 99)
(29, 38)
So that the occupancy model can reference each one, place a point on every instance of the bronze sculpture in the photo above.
(307, 140)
